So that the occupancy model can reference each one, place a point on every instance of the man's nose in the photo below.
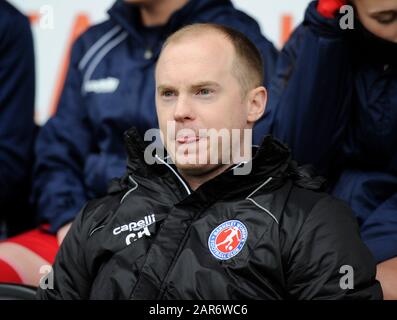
(183, 109)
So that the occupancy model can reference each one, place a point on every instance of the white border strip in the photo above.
(172, 169)
(257, 204)
(97, 45)
(129, 191)
(104, 51)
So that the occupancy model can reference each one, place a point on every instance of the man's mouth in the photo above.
(187, 139)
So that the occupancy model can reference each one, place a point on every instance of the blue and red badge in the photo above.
(228, 239)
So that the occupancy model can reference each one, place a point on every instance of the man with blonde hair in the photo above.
(186, 230)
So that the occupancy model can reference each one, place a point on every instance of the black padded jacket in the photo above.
(264, 235)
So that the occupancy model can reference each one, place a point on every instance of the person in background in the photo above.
(17, 127)
(109, 88)
(334, 102)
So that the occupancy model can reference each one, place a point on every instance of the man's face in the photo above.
(196, 90)
(379, 17)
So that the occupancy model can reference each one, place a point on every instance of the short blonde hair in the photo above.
(248, 66)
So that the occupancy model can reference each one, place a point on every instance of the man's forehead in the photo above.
(195, 59)
(192, 73)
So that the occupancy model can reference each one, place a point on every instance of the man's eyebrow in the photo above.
(163, 87)
(199, 84)
(205, 84)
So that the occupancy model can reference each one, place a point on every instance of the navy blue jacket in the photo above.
(109, 88)
(334, 101)
(17, 128)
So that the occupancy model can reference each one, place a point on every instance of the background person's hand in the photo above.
(61, 234)
(329, 8)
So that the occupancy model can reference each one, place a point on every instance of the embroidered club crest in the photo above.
(228, 239)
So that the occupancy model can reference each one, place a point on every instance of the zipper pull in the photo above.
(148, 54)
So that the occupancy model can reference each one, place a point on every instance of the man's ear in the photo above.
(257, 99)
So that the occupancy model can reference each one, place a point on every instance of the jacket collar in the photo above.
(127, 15)
(271, 158)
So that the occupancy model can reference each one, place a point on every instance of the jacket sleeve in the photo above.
(328, 260)
(70, 275)
(17, 85)
(62, 147)
(309, 96)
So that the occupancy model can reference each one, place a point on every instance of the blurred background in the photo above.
(56, 23)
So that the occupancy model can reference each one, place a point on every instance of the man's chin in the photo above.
(195, 169)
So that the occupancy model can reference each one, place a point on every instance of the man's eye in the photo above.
(204, 92)
(386, 18)
(168, 93)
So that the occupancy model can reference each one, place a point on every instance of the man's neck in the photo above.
(196, 180)
(158, 12)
